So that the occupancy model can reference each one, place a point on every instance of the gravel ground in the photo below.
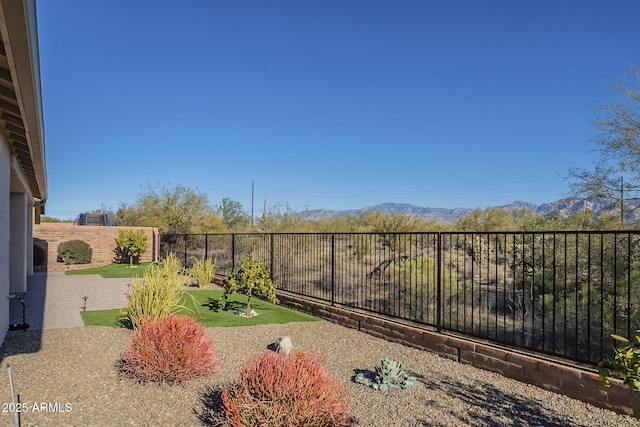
(73, 372)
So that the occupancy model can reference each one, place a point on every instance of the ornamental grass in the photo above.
(157, 295)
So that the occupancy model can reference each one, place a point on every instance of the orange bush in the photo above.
(171, 351)
(279, 390)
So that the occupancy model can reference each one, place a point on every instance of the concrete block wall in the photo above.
(577, 383)
(101, 239)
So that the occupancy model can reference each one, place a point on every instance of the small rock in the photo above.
(244, 313)
(283, 345)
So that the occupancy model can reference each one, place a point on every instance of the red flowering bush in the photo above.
(279, 390)
(171, 351)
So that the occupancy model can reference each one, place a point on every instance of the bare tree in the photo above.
(616, 174)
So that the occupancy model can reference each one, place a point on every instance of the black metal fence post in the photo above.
(184, 258)
(439, 282)
(233, 251)
(271, 257)
(333, 269)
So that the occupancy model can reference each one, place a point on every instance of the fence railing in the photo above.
(558, 293)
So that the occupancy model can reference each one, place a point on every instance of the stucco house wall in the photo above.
(5, 162)
(23, 174)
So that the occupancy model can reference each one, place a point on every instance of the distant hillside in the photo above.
(563, 207)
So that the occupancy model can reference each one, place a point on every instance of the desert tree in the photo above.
(486, 220)
(282, 218)
(616, 174)
(172, 210)
(233, 214)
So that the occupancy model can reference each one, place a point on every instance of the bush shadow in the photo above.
(209, 403)
(520, 410)
(215, 305)
(233, 306)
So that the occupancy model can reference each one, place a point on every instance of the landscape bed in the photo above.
(203, 305)
(78, 367)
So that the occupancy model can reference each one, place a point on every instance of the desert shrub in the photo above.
(157, 295)
(625, 366)
(202, 271)
(39, 255)
(279, 390)
(169, 352)
(74, 252)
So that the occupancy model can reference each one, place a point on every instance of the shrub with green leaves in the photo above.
(75, 252)
(131, 244)
(626, 363)
(172, 351)
(202, 271)
(251, 278)
(625, 366)
(157, 295)
(274, 389)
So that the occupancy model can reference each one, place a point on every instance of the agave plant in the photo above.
(388, 374)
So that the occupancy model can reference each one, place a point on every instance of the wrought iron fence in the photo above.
(558, 293)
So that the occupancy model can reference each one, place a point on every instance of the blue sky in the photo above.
(326, 104)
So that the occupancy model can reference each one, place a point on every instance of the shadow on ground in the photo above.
(210, 403)
(29, 340)
(502, 407)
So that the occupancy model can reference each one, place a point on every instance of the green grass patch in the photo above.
(204, 304)
(114, 271)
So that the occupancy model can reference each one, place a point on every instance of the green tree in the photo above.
(251, 278)
(582, 220)
(209, 224)
(485, 220)
(233, 215)
(282, 218)
(172, 210)
(392, 222)
(616, 174)
(45, 218)
(131, 243)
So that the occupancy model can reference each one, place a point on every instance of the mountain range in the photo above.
(562, 207)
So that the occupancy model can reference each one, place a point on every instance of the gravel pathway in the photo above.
(73, 373)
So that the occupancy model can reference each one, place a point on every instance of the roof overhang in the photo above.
(21, 116)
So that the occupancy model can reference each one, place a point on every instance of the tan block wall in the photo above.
(101, 239)
(580, 384)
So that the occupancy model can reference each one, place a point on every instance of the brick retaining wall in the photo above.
(101, 239)
(571, 381)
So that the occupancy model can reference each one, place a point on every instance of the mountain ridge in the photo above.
(562, 207)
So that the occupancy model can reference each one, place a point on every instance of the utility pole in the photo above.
(252, 196)
(622, 200)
